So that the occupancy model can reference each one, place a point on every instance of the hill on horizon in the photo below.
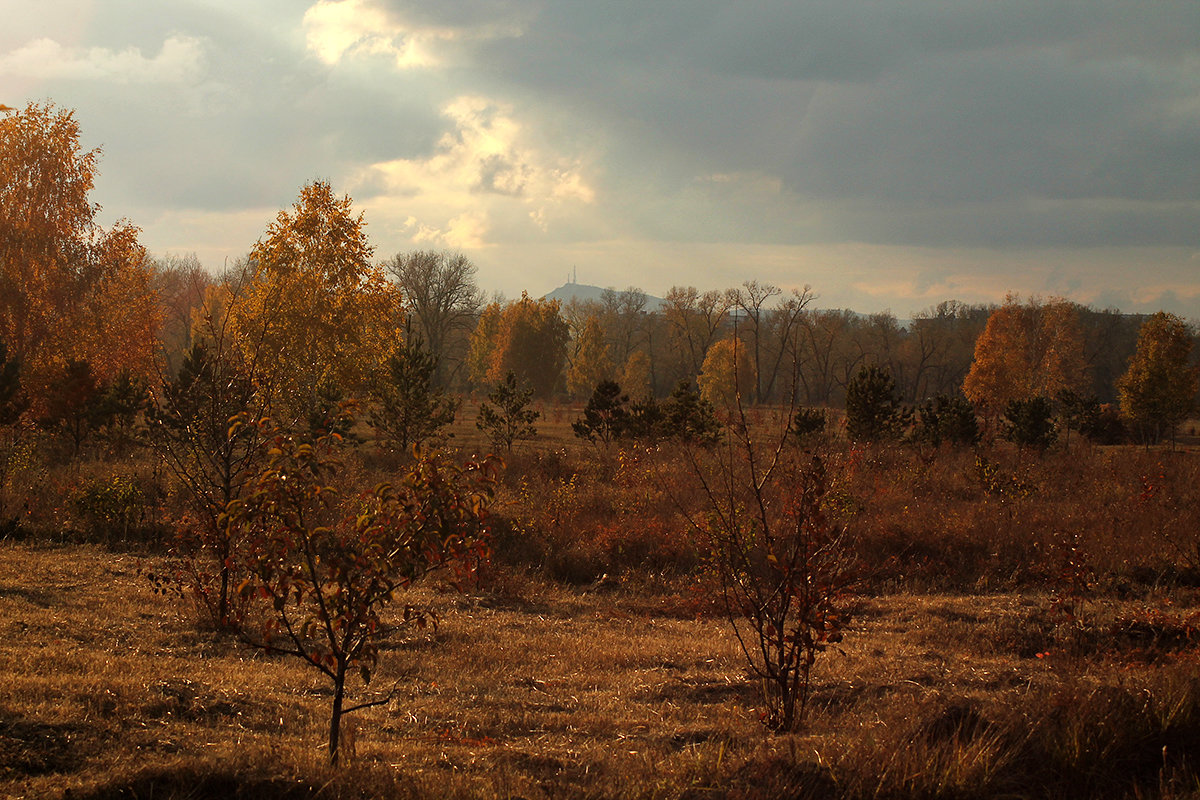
(585, 292)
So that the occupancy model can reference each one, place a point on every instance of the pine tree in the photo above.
(411, 407)
(948, 419)
(688, 417)
(606, 416)
(73, 405)
(1029, 422)
(873, 411)
(507, 418)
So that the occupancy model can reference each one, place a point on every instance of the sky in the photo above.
(891, 154)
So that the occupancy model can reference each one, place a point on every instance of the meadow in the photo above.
(1021, 624)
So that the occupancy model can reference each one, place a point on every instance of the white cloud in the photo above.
(467, 231)
(180, 60)
(338, 29)
(483, 178)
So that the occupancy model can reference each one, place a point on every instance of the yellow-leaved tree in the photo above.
(1159, 390)
(591, 364)
(727, 379)
(637, 377)
(317, 317)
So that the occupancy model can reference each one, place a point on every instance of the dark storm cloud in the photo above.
(949, 130)
(761, 127)
(942, 107)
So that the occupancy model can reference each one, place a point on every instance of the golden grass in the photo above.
(111, 691)
(959, 676)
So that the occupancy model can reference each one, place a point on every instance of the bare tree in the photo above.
(824, 336)
(441, 294)
(943, 338)
(694, 321)
(179, 282)
(782, 326)
(622, 315)
(750, 304)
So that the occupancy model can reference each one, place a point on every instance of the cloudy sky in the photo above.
(890, 153)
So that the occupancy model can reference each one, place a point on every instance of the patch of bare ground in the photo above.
(110, 691)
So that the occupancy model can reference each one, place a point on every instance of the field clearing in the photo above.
(542, 691)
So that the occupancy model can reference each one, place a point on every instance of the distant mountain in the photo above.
(584, 292)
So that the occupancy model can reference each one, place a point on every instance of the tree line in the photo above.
(92, 325)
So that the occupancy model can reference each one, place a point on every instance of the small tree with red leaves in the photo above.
(785, 569)
(325, 565)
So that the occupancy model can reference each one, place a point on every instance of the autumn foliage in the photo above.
(70, 290)
(316, 310)
(1159, 390)
(728, 375)
(527, 338)
(325, 564)
(1027, 350)
(298, 529)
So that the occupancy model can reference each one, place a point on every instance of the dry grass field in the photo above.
(1025, 626)
(543, 691)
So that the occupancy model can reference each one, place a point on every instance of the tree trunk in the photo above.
(223, 598)
(335, 719)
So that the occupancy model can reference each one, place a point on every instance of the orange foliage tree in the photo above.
(527, 337)
(1030, 349)
(482, 344)
(69, 289)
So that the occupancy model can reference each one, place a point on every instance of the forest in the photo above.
(337, 524)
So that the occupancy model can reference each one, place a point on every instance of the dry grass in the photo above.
(547, 692)
(1027, 628)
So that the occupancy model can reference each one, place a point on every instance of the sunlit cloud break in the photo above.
(484, 166)
(339, 29)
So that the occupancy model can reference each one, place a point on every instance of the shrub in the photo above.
(327, 564)
(807, 423)
(784, 568)
(211, 460)
(110, 508)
